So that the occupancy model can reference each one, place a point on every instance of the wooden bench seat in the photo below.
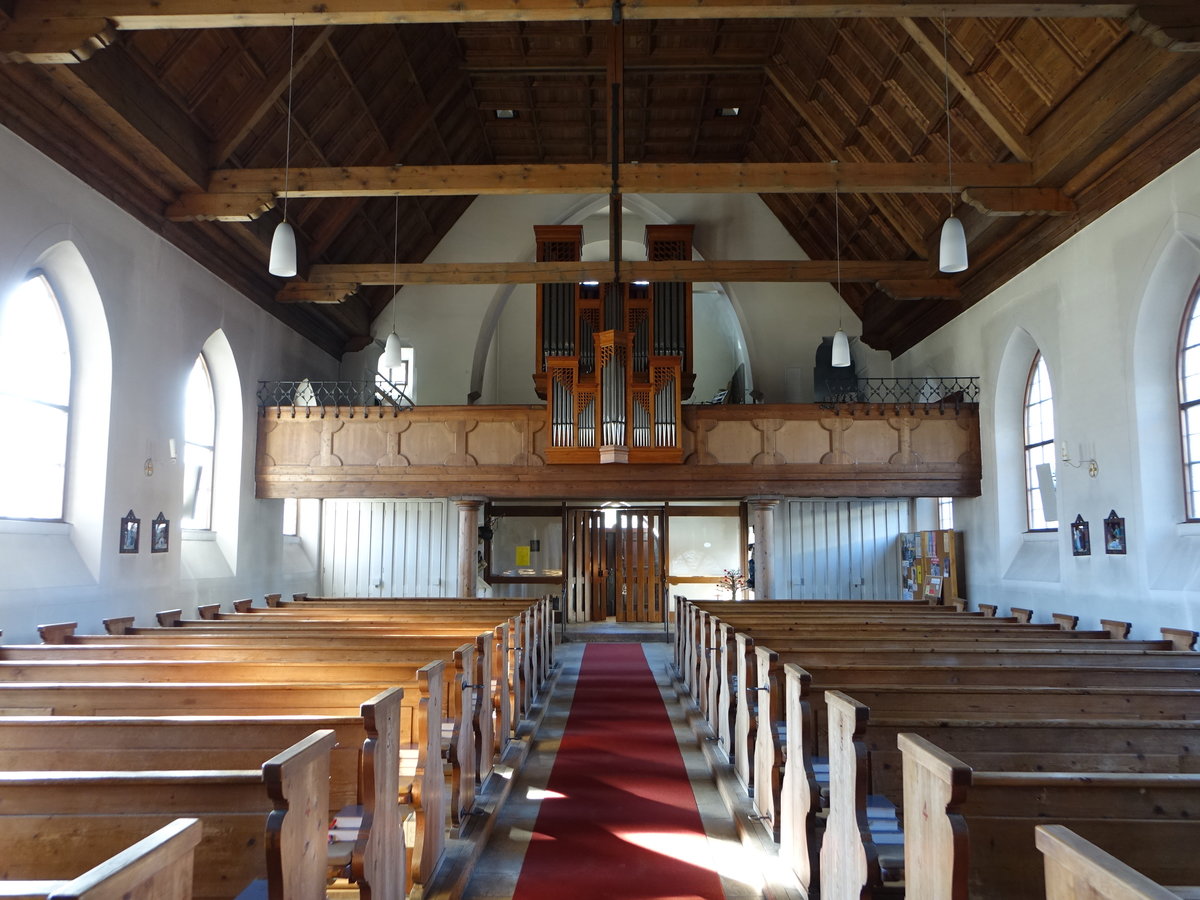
(346, 662)
(158, 866)
(535, 617)
(537, 643)
(970, 834)
(512, 676)
(465, 704)
(865, 762)
(1079, 870)
(738, 661)
(490, 661)
(529, 633)
(417, 741)
(256, 823)
(239, 742)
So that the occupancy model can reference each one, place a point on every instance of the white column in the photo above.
(469, 509)
(762, 517)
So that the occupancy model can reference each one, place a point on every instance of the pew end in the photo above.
(1065, 621)
(1118, 629)
(118, 625)
(850, 864)
(1077, 870)
(1180, 638)
(57, 633)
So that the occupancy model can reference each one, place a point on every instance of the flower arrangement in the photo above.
(733, 581)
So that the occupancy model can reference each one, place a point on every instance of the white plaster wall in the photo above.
(1105, 309)
(160, 308)
(451, 327)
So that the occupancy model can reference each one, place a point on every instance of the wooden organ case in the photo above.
(615, 358)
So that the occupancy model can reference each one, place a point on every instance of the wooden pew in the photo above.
(421, 612)
(474, 710)
(477, 691)
(703, 647)
(1079, 870)
(530, 630)
(733, 715)
(864, 759)
(257, 823)
(418, 718)
(971, 833)
(785, 792)
(167, 643)
(158, 866)
(240, 742)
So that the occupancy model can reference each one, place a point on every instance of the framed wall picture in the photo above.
(131, 527)
(1114, 533)
(160, 534)
(1081, 537)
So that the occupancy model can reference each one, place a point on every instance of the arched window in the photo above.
(35, 401)
(1039, 444)
(1189, 407)
(199, 444)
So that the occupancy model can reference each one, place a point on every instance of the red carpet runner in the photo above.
(626, 807)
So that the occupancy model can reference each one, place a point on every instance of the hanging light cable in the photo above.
(840, 354)
(952, 256)
(283, 242)
(393, 352)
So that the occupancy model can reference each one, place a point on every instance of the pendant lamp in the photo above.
(392, 349)
(283, 243)
(952, 254)
(840, 356)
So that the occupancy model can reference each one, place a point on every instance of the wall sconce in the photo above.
(1093, 467)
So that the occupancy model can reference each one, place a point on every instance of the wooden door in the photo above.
(639, 566)
(584, 572)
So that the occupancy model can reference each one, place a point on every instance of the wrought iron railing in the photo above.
(305, 396)
(939, 393)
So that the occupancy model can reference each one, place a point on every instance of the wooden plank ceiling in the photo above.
(160, 107)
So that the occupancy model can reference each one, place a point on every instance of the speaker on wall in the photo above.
(1045, 482)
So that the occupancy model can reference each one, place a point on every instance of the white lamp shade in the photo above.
(953, 256)
(283, 251)
(391, 358)
(840, 356)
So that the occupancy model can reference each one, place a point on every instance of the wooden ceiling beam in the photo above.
(585, 178)
(61, 41)
(736, 271)
(142, 15)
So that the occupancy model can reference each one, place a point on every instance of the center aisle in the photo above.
(617, 790)
(607, 805)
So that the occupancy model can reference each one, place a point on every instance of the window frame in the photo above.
(211, 448)
(1028, 447)
(68, 432)
(1189, 465)
(945, 519)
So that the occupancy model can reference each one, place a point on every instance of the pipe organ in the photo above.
(614, 360)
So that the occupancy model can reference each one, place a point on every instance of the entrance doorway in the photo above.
(615, 564)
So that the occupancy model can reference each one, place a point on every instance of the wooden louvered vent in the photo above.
(614, 359)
